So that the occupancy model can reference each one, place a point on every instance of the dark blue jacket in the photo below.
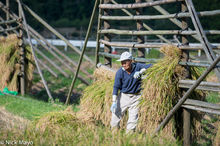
(125, 82)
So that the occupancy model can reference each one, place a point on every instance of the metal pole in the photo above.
(83, 50)
(183, 99)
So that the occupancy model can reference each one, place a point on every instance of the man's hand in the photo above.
(137, 74)
(114, 107)
(114, 104)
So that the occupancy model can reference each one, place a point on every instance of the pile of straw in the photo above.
(160, 93)
(9, 63)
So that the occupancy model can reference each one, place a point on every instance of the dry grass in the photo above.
(12, 123)
(9, 63)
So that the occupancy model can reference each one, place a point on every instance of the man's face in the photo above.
(126, 64)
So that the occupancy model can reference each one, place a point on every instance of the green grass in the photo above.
(213, 97)
(27, 107)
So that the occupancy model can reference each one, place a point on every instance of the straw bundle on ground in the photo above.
(9, 63)
(160, 94)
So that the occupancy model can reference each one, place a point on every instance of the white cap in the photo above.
(125, 56)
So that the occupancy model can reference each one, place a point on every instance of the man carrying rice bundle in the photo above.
(128, 81)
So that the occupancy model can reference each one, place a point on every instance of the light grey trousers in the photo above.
(124, 102)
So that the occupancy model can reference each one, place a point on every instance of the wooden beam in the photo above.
(8, 21)
(98, 36)
(208, 86)
(202, 104)
(167, 16)
(155, 32)
(136, 5)
(153, 45)
(140, 38)
(210, 111)
(22, 54)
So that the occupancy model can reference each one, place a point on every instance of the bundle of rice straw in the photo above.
(160, 93)
(9, 63)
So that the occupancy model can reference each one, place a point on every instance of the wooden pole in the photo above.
(7, 13)
(186, 127)
(35, 58)
(107, 37)
(83, 50)
(135, 5)
(191, 46)
(22, 53)
(154, 32)
(98, 36)
(185, 58)
(167, 16)
(186, 95)
(140, 38)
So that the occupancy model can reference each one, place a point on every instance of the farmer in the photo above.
(128, 81)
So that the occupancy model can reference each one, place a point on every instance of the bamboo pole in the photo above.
(201, 34)
(167, 16)
(98, 36)
(144, 24)
(35, 58)
(136, 5)
(191, 46)
(47, 68)
(154, 32)
(56, 33)
(186, 95)
(140, 38)
(83, 50)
